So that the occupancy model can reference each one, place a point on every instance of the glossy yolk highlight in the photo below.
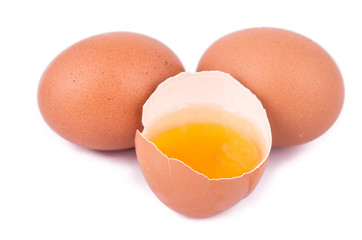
(212, 149)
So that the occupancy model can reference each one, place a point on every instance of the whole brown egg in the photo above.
(92, 93)
(297, 81)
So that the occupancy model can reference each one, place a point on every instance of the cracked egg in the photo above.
(205, 143)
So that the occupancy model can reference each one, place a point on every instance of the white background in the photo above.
(52, 189)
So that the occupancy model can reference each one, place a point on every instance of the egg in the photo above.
(92, 93)
(297, 81)
(205, 143)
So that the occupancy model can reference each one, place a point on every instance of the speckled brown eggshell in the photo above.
(297, 81)
(176, 184)
(92, 93)
(187, 192)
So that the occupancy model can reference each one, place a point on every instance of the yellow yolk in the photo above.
(212, 149)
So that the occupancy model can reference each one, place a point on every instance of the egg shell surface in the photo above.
(297, 81)
(177, 185)
(92, 93)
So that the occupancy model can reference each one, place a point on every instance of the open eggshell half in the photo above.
(177, 185)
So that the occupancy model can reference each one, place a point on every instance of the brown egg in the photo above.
(297, 81)
(92, 93)
(202, 98)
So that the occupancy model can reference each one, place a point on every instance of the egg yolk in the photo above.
(215, 150)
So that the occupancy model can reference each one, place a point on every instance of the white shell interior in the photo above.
(191, 97)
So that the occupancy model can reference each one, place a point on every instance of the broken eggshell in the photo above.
(177, 185)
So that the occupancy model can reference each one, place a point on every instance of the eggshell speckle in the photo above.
(297, 81)
(92, 93)
(177, 185)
